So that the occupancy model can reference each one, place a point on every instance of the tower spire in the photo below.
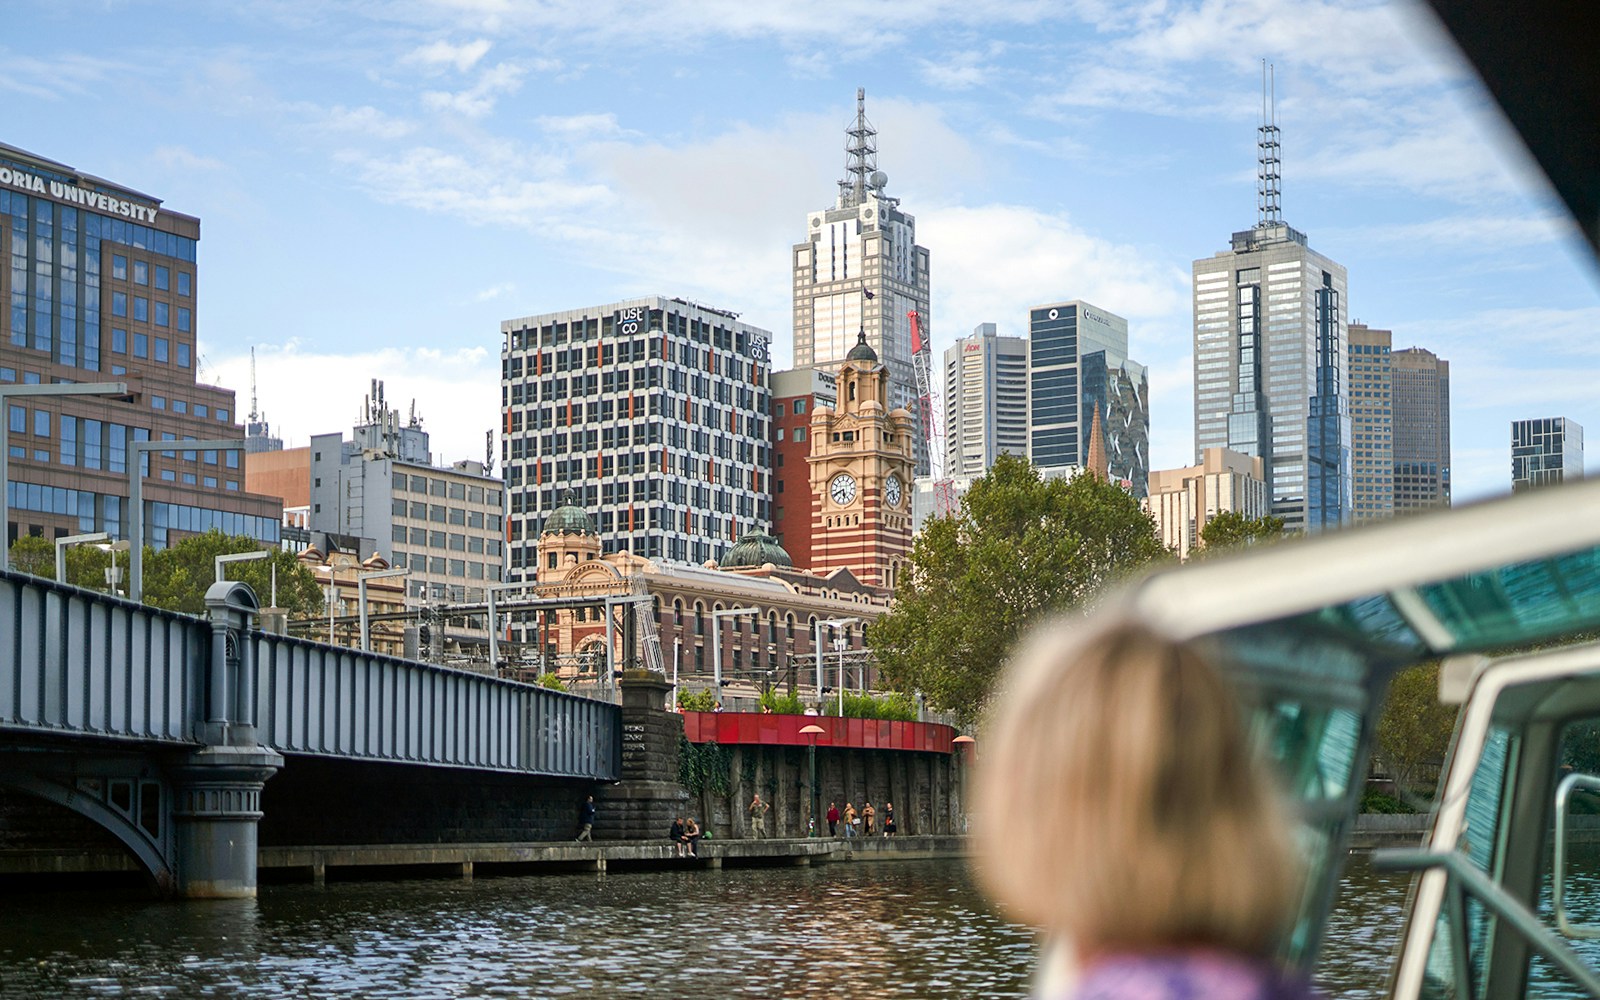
(254, 412)
(860, 155)
(1269, 176)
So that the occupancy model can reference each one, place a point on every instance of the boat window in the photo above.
(1580, 753)
(1514, 604)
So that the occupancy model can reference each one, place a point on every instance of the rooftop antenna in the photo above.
(860, 156)
(255, 412)
(1269, 176)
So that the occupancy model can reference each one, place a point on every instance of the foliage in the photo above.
(704, 766)
(1230, 529)
(552, 682)
(86, 564)
(1374, 801)
(35, 555)
(697, 701)
(1414, 729)
(176, 578)
(783, 704)
(1020, 548)
(893, 706)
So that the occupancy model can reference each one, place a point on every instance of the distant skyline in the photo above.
(381, 185)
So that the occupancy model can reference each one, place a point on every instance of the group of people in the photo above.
(865, 822)
(685, 835)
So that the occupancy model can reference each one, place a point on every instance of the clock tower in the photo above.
(861, 469)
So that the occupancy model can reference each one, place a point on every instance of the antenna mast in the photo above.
(860, 155)
(255, 414)
(1269, 176)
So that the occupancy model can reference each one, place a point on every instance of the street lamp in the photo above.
(816, 646)
(716, 641)
(361, 595)
(839, 646)
(61, 550)
(8, 391)
(114, 572)
(812, 731)
(136, 452)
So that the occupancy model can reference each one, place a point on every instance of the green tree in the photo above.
(86, 564)
(1020, 547)
(176, 578)
(1414, 729)
(34, 554)
(1231, 529)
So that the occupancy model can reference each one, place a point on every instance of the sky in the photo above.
(380, 184)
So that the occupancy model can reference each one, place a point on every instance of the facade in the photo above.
(859, 269)
(652, 411)
(861, 474)
(1078, 368)
(338, 569)
(1372, 424)
(1421, 430)
(1183, 500)
(444, 524)
(1544, 452)
(1270, 367)
(985, 401)
(796, 394)
(101, 286)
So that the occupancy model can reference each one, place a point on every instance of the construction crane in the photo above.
(944, 500)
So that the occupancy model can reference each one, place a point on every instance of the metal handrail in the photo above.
(1569, 784)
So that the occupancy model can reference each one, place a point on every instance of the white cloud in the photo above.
(495, 291)
(442, 55)
(72, 74)
(364, 120)
(1482, 233)
(180, 158)
(581, 126)
(479, 99)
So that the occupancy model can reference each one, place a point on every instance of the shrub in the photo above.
(895, 706)
(697, 701)
(1374, 801)
(552, 682)
(783, 704)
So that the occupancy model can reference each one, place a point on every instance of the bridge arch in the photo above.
(97, 800)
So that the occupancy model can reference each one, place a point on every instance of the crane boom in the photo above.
(932, 419)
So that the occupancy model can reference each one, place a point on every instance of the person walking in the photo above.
(850, 820)
(691, 836)
(833, 819)
(586, 820)
(888, 819)
(869, 818)
(758, 818)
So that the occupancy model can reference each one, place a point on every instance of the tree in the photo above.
(86, 564)
(1021, 547)
(176, 578)
(1230, 529)
(1414, 729)
(34, 554)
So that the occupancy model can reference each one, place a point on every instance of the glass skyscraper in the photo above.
(985, 400)
(1545, 451)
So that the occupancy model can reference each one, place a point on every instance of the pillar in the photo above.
(215, 814)
(643, 804)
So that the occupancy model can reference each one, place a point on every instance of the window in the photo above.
(158, 402)
(141, 273)
(161, 349)
(799, 407)
(161, 314)
(799, 433)
(141, 309)
(119, 341)
(41, 423)
(222, 415)
(141, 345)
(200, 410)
(162, 277)
(19, 419)
(119, 303)
(119, 267)
(183, 321)
(183, 283)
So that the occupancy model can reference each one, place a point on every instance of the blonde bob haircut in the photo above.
(1119, 803)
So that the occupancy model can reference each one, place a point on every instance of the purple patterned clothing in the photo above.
(1188, 975)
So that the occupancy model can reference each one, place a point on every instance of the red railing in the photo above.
(732, 728)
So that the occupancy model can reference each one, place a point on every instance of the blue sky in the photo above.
(381, 183)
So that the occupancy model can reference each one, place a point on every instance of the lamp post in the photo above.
(9, 391)
(812, 731)
(61, 550)
(716, 642)
(677, 649)
(136, 452)
(816, 646)
(114, 572)
(361, 596)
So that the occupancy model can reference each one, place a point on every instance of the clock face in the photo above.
(891, 491)
(842, 489)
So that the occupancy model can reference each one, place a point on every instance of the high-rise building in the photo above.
(1421, 430)
(1269, 352)
(651, 412)
(1183, 500)
(985, 401)
(859, 269)
(796, 394)
(1078, 369)
(1545, 451)
(1372, 424)
(102, 286)
(443, 523)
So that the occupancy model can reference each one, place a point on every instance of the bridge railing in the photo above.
(333, 701)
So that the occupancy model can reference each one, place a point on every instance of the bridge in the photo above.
(164, 728)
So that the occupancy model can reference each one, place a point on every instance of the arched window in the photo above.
(699, 618)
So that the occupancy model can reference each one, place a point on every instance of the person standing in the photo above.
(888, 819)
(850, 820)
(586, 820)
(869, 818)
(758, 817)
(833, 819)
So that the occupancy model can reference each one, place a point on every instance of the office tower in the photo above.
(1421, 430)
(1372, 424)
(985, 401)
(102, 287)
(1545, 451)
(651, 412)
(1183, 500)
(859, 269)
(443, 523)
(796, 394)
(1078, 369)
(1269, 351)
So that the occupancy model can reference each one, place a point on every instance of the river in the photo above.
(869, 929)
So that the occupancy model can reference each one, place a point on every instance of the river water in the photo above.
(868, 929)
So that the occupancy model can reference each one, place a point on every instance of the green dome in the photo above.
(862, 351)
(568, 519)
(754, 550)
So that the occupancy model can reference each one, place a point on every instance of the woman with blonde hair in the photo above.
(1153, 850)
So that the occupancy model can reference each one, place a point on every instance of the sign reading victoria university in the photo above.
(72, 194)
